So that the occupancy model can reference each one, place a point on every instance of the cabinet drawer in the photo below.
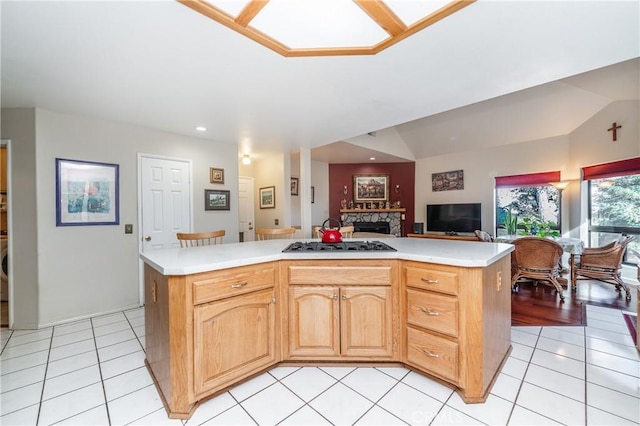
(231, 282)
(433, 354)
(432, 279)
(433, 311)
(327, 275)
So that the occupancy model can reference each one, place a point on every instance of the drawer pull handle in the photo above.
(428, 281)
(239, 285)
(430, 354)
(427, 311)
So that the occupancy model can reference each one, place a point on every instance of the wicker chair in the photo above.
(197, 239)
(602, 264)
(274, 233)
(536, 259)
(483, 236)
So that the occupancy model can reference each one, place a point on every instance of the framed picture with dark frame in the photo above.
(215, 199)
(370, 187)
(447, 181)
(294, 185)
(87, 193)
(268, 197)
(216, 175)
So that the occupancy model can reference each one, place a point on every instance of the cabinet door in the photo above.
(313, 321)
(366, 323)
(233, 339)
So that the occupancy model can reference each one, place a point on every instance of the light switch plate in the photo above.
(128, 229)
(277, 222)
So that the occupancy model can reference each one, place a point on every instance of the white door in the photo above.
(245, 209)
(164, 194)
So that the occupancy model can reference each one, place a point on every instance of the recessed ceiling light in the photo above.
(372, 158)
(201, 129)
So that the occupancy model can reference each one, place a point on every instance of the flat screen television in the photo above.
(454, 217)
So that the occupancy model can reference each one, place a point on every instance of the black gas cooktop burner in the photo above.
(343, 246)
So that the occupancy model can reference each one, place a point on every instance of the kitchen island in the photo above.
(218, 315)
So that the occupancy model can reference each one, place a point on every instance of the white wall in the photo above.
(271, 170)
(480, 169)
(88, 270)
(320, 182)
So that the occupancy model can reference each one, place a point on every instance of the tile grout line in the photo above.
(104, 391)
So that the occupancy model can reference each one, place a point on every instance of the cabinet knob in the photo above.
(344, 297)
(428, 281)
(335, 297)
(239, 285)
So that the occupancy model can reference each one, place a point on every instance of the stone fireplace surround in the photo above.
(393, 217)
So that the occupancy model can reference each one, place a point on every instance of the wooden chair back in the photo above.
(273, 233)
(536, 259)
(197, 239)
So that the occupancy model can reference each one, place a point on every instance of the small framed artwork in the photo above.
(370, 187)
(87, 193)
(268, 197)
(294, 186)
(216, 175)
(313, 194)
(216, 200)
(447, 181)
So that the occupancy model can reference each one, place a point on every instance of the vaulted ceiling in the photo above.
(487, 75)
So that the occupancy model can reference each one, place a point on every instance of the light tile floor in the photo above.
(92, 373)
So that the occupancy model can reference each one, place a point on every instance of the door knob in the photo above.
(147, 238)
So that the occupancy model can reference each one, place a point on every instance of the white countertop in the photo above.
(184, 261)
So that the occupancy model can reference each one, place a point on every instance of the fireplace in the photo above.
(378, 227)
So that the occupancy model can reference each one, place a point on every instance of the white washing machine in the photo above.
(4, 267)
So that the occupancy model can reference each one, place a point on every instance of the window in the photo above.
(537, 209)
(614, 209)
(614, 204)
(531, 200)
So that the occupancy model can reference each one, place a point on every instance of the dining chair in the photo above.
(536, 259)
(602, 264)
(197, 239)
(274, 233)
(483, 236)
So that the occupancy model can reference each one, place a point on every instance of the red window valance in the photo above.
(531, 179)
(627, 167)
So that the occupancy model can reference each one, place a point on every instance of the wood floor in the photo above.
(540, 305)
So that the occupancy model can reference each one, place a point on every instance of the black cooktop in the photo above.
(343, 246)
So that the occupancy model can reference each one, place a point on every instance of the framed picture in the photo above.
(294, 186)
(216, 175)
(447, 181)
(313, 194)
(216, 200)
(87, 193)
(370, 187)
(268, 197)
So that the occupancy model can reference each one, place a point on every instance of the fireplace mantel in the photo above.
(401, 210)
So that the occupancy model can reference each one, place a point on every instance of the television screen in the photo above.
(454, 217)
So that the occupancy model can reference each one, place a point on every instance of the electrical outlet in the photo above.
(128, 229)
(499, 281)
(277, 222)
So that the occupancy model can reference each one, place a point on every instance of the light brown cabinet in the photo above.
(232, 338)
(342, 310)
(458, 323)
(205, 332)
(340, 321)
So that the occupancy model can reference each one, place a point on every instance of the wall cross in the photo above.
(614, 128)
